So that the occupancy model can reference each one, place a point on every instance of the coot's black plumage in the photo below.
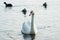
(8, 5)
(45, 5)
(24, 11)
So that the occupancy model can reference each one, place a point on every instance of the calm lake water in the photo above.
(47, 20)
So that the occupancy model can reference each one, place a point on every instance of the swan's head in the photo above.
(31, 13)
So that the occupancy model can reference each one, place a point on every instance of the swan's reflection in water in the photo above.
(29, 37)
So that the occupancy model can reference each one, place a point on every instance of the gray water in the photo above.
(47, 20)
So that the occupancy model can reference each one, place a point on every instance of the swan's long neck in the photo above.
(32, 21)
(32, 25)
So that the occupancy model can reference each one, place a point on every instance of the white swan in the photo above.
(29, 28)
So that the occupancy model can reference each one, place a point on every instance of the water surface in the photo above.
(47, 20)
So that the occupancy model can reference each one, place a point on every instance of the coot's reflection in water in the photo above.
(28, 37)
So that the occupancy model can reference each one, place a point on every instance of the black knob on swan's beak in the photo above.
(31, 13)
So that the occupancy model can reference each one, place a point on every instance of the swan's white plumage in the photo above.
(26, 27)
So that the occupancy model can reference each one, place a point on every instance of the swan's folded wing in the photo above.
(26, 27)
